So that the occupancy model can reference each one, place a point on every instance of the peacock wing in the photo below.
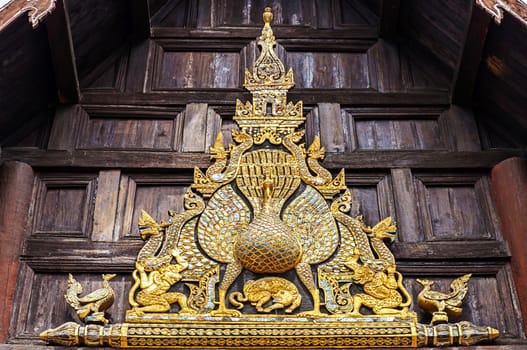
(438, 296)
(94, 296)
(347, 247)
(220, 223)
(198, 263)
(310, 217)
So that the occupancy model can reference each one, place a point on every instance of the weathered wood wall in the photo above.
(151, 110)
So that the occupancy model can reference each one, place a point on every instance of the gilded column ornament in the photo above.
(265, 253)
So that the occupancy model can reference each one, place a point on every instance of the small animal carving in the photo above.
(91, 307)
(282, 292)
(442, 305)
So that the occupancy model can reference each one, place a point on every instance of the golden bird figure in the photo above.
(441, 305)
(91, 307)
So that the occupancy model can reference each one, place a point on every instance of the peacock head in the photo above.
(425, 283)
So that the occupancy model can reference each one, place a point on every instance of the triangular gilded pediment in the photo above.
(265, 253)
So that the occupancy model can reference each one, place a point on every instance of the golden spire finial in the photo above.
(267, 16)
(270, 116)
(267, 32)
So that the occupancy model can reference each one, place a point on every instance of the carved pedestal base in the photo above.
(439, 317)
(269, 332)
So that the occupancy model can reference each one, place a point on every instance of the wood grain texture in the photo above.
(372, 196)
(26, 85)
(44, 296)
(455, 207)
(62, 54)
(509, 187)
(106, 202)
(484, 303)
(326, 70)
(248, 12)
(500, 92)
(98, 16)
(331, 127)
(83, 255)
(352, 97)
(406, 205)
(400, 133)
(67, 125)
(439, 27)
(156, 194)
(63, 204)
(470, 60)
(101, 159)
(460, 129)
(16, 186)
(194, 128)
(102, 132)
(179, 70)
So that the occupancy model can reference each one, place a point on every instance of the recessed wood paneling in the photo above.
(456, 207)
(401, 133)
(130, 133)
(179, 70)
(371, 196)
(329, 69)
(249, 12)
(155, 195)
(44, 306)
(63, 205)
(488, 300)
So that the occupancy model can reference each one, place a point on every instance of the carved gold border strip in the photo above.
(517, 8)
(36, 10)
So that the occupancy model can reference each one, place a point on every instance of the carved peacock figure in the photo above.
(441, 305)
(91, 307)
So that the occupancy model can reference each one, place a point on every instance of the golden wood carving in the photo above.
(266, 254)
(36, 10)
(442, 305)
(91, 307)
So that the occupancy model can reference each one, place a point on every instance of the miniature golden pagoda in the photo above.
(264, 254)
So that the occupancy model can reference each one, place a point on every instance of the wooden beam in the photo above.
(417, 159)
(46, 255)
(105, 159)
(349, 97)
(366, 32)
(62, 54)
(468, 67)
(389, 18)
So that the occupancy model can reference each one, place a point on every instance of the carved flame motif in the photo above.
(270, 223)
